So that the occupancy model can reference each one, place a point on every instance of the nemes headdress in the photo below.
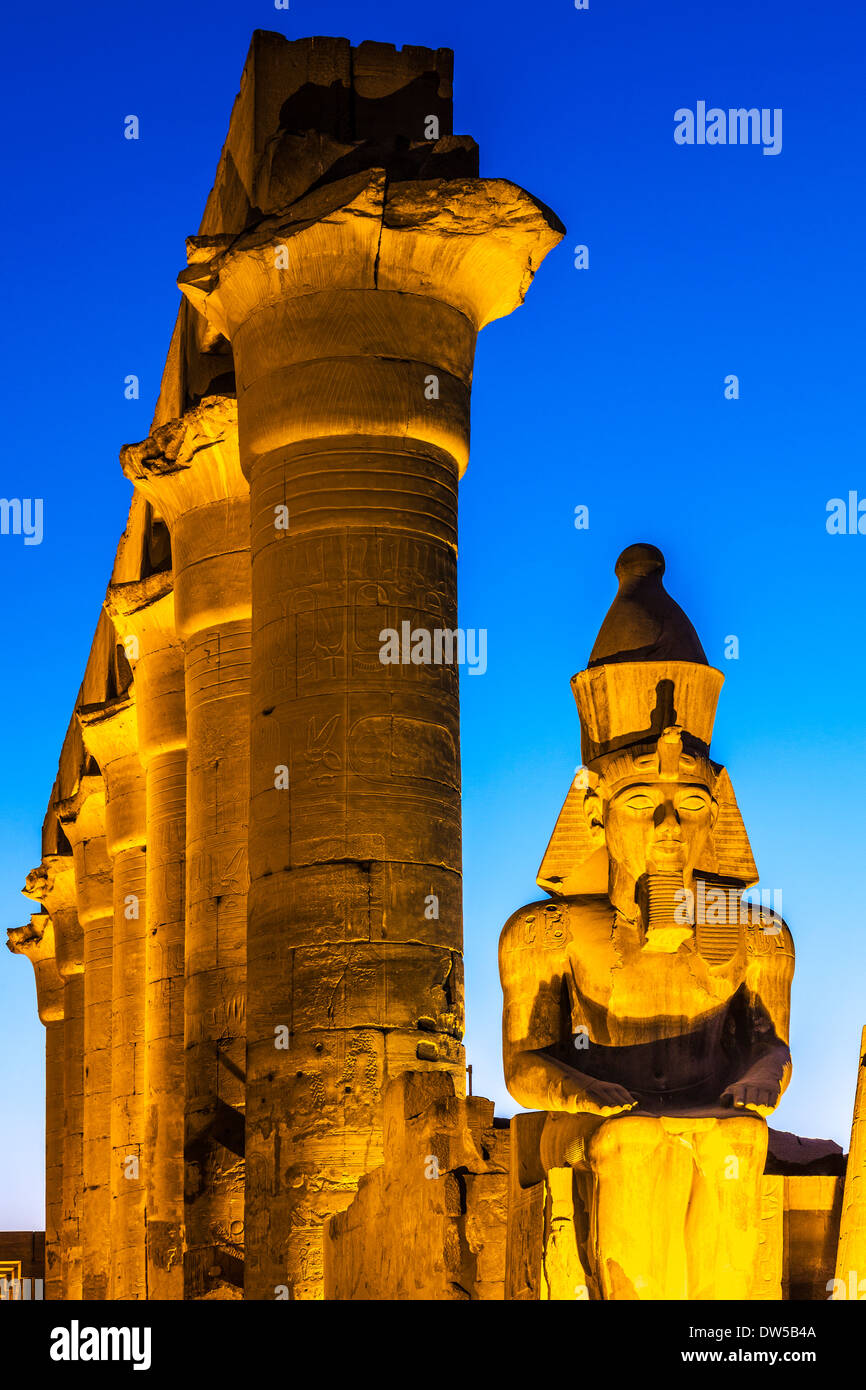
(647, 704)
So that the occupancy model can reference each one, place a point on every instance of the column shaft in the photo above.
(110, 732)
(144, 618)
(128, 1275)
(164, 1061)
(54, 1137)
(217, 687)
(345, 861)
(851, 1252)
(190, 469)
(96, 914)
(73, 1139)
(37, 942)
(54, 885)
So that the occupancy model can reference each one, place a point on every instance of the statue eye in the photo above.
(693, 803)
(640, 802)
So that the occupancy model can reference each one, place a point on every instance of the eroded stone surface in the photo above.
(431, 1222)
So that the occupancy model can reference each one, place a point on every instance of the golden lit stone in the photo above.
(653, 1034)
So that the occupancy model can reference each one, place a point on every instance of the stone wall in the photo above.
(430, 1222)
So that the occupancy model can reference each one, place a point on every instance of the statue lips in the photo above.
(667, 857)
(668, 849)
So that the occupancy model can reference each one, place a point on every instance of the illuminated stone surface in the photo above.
(110, 736)
(236, 728)
(851, 1260)
(144, 612)
(189, 469)
(36, 942)
(431, 1222)
(83, 821)
(53, 885)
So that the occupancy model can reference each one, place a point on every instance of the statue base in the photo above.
(648, 1208)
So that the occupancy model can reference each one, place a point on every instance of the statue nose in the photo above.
(667, 820)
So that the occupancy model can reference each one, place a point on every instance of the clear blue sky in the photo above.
(606, 389)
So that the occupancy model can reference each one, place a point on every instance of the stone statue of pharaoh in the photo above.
(646, 1004)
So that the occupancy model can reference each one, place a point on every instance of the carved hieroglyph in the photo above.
(645, 1006)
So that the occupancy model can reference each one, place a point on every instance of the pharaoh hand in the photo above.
(761, 1095)
(605, 1097)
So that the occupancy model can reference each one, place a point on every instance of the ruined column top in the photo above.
(140, 597)
(110, 729)
(35, 940)
(52, 882)
(474, 244)
(190, 462)
(82, 815)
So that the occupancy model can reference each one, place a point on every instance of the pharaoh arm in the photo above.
(767, 992)
(533, 1025)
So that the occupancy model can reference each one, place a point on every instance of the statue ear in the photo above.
(714, 812)
(593, 809)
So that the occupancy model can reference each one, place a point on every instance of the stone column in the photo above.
(143, 615)
(353, 318)
(110, 735)
(851, 1254)
(82, 817)
(53, 884)
(36, 941)
(189, 469)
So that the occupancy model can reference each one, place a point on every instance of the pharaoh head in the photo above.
(650, 810)
(653, 808)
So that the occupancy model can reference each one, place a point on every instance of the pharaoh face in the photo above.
(658, 826)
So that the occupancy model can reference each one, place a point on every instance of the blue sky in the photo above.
(606, 389)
